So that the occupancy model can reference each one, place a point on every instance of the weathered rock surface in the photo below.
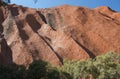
(54, 34)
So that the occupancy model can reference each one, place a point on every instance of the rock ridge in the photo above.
(54, 34)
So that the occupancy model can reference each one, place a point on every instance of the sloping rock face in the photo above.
(54, 34)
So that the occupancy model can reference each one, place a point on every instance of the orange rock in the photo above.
(54, 34)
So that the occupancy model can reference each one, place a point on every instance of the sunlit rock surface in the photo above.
(54, 34)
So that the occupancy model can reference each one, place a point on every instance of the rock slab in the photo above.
(54, 34)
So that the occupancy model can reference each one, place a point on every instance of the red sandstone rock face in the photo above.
(54, 34)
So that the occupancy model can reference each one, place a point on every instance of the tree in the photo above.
(37, 69)
(12, 71)
(102, 67)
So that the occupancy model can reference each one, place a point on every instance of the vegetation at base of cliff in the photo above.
(102, 67)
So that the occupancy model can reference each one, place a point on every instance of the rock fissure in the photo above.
(60, 58)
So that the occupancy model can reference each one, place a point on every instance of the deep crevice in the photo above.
(33, 23)
(86, 49)
(14, 11)
(60, 58)
(1, 28)
(1, 16)
(42, 17)
(50, 18)
(6, 52)
(113, 20)
(22, 32)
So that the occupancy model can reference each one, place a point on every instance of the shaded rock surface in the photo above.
(54, 34)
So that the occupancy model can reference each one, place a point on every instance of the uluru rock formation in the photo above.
(54, 34)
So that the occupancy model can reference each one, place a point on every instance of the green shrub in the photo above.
(37, 70)
(12, 72)
(53, 73)
(70, 67)
(107, 66)
(102, 67)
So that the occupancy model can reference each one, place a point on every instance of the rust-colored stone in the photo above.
(54, 34)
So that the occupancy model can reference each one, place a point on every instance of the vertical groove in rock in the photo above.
(5, 52)
(60, 58)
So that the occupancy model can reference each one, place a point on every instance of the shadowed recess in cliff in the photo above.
(60, 18)
(82, 15)
(14, 11)
(33, 23)
(24, 9)
(1, 59)
(6, 52)
(1, 16)
(35, 54)
(42, 17)
(110, 18)
(1, 28)
(59, 57)
(22, 32)
(51, 20)
(86, 49)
